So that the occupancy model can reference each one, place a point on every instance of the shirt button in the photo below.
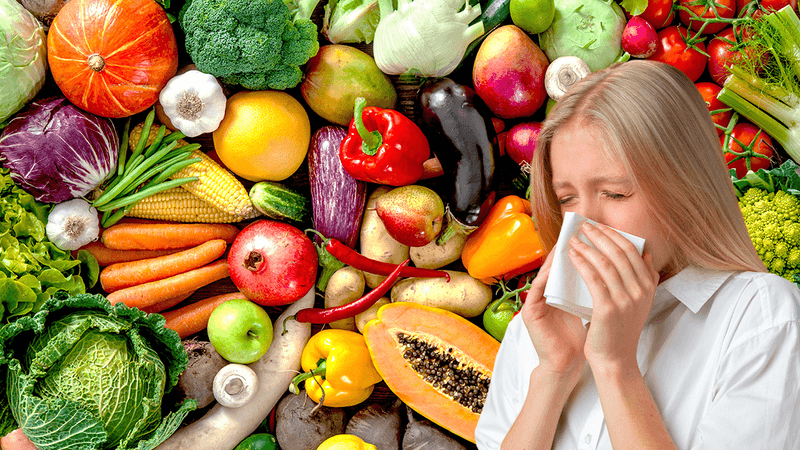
(587, 439)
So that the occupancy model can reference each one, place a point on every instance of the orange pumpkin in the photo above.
(112, 57)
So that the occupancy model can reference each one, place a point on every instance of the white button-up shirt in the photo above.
(720, 354)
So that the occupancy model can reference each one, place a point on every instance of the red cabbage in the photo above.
(56, 151)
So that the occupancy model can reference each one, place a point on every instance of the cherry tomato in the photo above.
(700, 10)
(659, 13)
(753, 147)
(674, 50)
(709, 91)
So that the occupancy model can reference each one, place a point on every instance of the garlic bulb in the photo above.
(73, 224)
(194, 102)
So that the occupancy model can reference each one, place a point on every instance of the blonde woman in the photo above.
(692, 345)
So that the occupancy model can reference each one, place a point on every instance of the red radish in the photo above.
(639, 38)
(272, 262)
(521, 141)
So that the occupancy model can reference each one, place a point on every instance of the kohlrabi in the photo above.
(424, 37)
(85, 374)
(589, 29)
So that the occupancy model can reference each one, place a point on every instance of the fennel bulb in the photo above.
(424, 37)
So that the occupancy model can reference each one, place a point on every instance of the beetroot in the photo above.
(639, 38)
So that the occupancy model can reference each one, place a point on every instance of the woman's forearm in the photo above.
(536, 423)
(631, 415)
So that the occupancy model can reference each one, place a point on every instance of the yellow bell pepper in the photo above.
(338, 369)
(506, 244)
(345, 442)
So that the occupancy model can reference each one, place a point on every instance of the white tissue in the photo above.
(565, 289)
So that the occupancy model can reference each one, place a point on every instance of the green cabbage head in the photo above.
(83, 374)
(23, 57)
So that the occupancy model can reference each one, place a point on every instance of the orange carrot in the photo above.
(167, 304)
(106, 256)
(193, 318)
(122, 275)
(148, 294)
(159, 236)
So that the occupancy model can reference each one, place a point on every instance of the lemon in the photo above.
(533, 16)
(264, 135)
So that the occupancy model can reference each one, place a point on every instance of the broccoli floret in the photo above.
(256, 44)
(773, 222)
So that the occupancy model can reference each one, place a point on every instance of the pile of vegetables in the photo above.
(348, 166)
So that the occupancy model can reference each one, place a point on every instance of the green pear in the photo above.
(412, 214)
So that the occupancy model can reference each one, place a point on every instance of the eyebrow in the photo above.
(596, 181)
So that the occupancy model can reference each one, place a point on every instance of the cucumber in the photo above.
(277, 201)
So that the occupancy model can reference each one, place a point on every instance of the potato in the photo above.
(344, 286)
(463, 295)
(375, 241)
(434, 256)
(371, 313)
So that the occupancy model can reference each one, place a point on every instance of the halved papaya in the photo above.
(437, 362)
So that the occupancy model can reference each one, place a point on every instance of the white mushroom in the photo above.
(235, 385)
(562, 73)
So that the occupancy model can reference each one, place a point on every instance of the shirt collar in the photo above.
(693, 286)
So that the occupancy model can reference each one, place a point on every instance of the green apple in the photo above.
(240, 331)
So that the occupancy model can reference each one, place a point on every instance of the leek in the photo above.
(769, 94)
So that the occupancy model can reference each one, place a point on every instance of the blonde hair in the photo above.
(654, 121)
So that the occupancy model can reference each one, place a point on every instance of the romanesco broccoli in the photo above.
(773, 222)
(258, 44)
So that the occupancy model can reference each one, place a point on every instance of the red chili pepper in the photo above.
(328, 315)
(383, 146)
(351, 257)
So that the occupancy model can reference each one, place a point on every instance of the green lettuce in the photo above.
(85, 374)
(32, 268)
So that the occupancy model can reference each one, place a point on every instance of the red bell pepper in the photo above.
(383, 146)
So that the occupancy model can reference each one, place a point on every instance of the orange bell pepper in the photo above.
(506, 244)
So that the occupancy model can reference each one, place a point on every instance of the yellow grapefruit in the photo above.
(263, 136)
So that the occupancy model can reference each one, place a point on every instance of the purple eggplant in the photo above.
(337, 199)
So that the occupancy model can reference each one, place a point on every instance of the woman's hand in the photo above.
(557, 335)
(622, 285)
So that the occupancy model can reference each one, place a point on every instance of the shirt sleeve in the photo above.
(756, 394)
(509, 386)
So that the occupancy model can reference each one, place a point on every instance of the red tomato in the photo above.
(722, 53)
(674, 50)
(700, 10)
(774, 5)
(746, 134)
(659, 13)
(709, 91)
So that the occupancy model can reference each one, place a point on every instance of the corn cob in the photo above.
(180, 205)
(217, 186)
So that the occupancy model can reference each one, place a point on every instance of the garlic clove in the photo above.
(73, 224)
